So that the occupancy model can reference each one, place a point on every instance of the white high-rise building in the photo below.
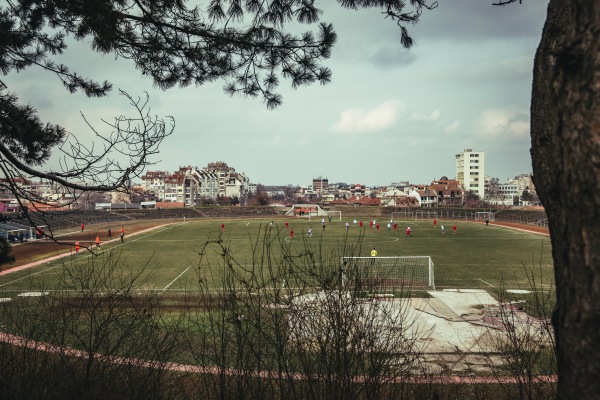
(470, 171)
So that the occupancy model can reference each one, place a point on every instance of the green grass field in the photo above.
(478, 256)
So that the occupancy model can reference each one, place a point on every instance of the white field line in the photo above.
(487, 283)
(178, 276)
(50, 260)
(520, 229)
(28, 276)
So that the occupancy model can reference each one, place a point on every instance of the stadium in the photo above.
(442, 298)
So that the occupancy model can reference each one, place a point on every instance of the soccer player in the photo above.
(442, 227)
(286, 224)
(109, 236)
(347, 226)
(97, 241)
(76, 247)
(360, 223)
(355, 222)
(395, 227)
(373, 254)
(292, 233)
(434, 223)
(408, 231)
(378, 228)
(389, 225)
(310, 232)
(371, 224)
(223, 227)
(454, 229)
(82, 227)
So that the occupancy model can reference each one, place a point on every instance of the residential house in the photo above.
(425, 197)
(449, 192)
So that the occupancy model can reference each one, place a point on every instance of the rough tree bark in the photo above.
(565, 150)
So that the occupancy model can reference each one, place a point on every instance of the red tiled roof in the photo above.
(47, 207)
(367, 201)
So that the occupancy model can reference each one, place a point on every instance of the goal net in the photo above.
(388, 274)
(334, 215)
(483, 215)
(401, 215)
(426, 215)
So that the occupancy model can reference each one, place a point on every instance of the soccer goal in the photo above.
(388, 274)
(401, 215)
(484, 215)
(426, 215)
(334, 214)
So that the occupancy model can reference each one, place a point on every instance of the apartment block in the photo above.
(470, 171)
(320, 184)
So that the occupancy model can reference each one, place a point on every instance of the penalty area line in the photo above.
(487, 283)
(178, 276)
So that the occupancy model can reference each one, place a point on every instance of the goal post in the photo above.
(484, 215)
(388, 274)
(401, 215)
(334, 214)
(426, 215)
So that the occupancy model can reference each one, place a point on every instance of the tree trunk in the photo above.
(565, 150)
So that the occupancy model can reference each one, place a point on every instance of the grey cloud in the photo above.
(390, 57)
(40, 94)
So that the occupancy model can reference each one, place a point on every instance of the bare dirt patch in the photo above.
(35, 250)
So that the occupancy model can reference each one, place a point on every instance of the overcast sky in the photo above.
(388, 115)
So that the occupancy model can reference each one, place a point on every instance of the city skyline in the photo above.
(388, 115)
(324, 177)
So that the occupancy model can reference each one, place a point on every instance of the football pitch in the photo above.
(179, 257)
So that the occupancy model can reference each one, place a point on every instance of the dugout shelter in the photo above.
(306, 210)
